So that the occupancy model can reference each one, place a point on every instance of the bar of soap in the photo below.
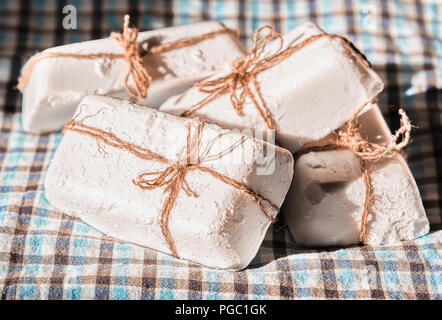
(309, 94)
(221, 228)
(57, 85)
(325, 203)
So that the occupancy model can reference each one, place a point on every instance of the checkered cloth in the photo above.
(47, 254)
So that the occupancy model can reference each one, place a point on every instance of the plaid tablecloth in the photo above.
(47, 254)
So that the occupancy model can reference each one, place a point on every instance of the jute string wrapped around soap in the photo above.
(367, 153)
(173, 177)
(131, 53)
(242, 82)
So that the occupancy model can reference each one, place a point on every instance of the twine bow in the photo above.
(173, 177)
(132, 54)
(367, 153)
(137, 70)
(244, 72)
(351, 139)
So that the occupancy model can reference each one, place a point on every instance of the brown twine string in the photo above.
(128, 41)
(173, 177)
(367, 153)
(141, 78)
(246, 69)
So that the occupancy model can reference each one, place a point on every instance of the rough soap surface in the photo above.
(57, 85)
(222, 228)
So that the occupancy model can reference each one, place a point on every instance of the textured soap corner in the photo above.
(311, 92)
(221, 228)
(398, 212)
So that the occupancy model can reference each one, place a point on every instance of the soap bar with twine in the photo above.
(301, 85)
(145, 66)
(355, 187)
(181, 186)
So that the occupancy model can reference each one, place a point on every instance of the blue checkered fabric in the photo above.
(48, 254)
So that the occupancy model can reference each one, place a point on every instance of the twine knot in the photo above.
(141, 78)
(172, 177)
(350, 138)
(244, 72)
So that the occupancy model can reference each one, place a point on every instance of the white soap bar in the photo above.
(57, 85)
(309, 94)
(325, 203)
(221, 228)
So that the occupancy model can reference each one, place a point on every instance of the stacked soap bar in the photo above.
(309, 93)
(57, 85)
(325, 203)
(118, 164)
